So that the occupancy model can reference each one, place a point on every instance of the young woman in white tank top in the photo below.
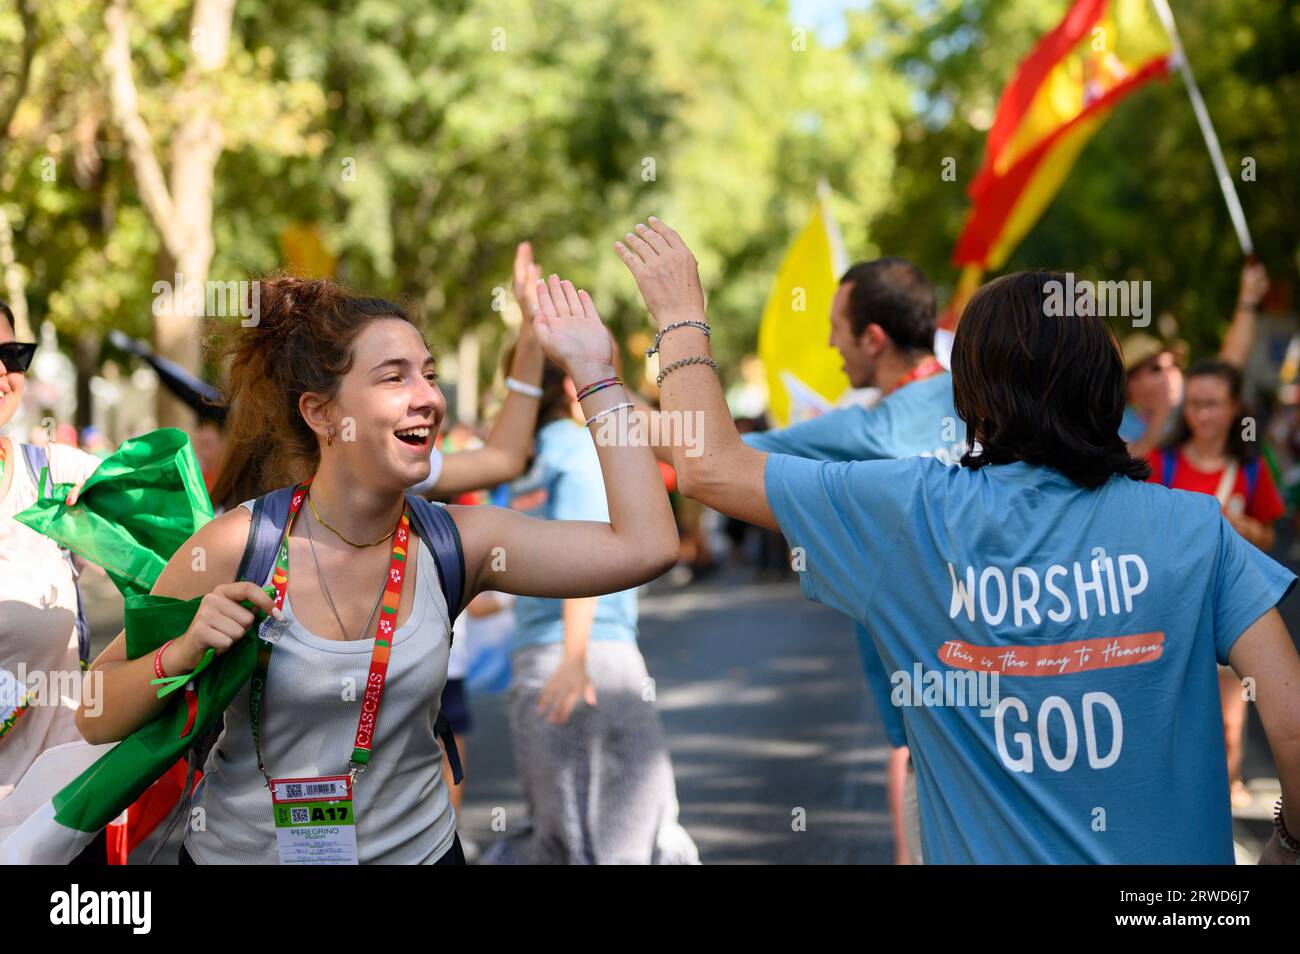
(323, 384)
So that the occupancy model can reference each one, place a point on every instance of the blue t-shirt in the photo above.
(565, 483)
(1101, 613)
(918, 419)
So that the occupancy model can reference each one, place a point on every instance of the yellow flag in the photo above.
(305, 253)
(804, 373)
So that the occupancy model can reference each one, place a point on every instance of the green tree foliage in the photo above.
(424, 140)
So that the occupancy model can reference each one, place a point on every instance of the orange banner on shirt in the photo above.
(1057, 659)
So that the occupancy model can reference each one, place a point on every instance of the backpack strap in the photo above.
(433, 525)
(38, 459)
(1252, 475)
(38, 463)
(1168, 461)
(270, 514)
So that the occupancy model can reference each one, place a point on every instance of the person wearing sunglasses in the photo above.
(39, 650)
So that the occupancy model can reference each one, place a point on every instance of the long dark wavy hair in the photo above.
(1039, 388)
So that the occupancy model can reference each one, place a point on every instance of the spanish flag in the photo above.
(805, 374)
(1059, 97)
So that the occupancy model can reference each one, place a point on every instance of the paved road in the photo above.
(764, 705)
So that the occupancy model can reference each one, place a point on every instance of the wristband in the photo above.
(171, 683)
(522, 387)
(157, 659)
(609, 410)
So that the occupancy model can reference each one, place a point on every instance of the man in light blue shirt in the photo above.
(883, 324)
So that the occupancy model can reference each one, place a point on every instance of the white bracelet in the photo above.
(523, 387)
(609, 410)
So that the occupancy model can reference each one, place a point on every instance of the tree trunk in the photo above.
(86, 355)
(180, 204)
(14, 290)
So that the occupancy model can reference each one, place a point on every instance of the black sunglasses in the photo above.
(17, 355)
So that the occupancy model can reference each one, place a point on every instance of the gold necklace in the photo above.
(359, 546)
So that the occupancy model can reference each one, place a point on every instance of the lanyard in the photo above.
(926, 369)
(364, 742)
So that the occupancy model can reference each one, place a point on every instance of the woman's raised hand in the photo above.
(527, 274)
(665, 271)
(571, 332)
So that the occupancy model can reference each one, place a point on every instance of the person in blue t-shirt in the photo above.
(1050, 620)
(587, 740)
(883, 320)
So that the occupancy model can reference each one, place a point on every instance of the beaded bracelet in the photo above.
(1283, 835)
(701, 325)
(523, 387)
(609, 410)
(595, 386)
(695, 359)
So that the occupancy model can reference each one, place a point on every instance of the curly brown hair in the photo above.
(300, 342)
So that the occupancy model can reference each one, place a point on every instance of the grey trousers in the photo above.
(600, 788)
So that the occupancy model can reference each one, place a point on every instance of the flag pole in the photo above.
(1207, 129)
(839, 257)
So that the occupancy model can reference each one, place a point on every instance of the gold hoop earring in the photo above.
(329, 437)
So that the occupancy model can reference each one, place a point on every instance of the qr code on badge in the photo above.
(293, 790)
(299, 816)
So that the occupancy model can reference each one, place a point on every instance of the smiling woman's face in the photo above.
(1209, 408)
(11, 381)
(391, 389)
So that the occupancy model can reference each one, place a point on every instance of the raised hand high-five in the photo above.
(571, 332)
(527, 274)
(509, 445)
(665, 271)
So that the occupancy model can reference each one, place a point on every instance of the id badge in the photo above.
(272, 629)
(315, 822)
